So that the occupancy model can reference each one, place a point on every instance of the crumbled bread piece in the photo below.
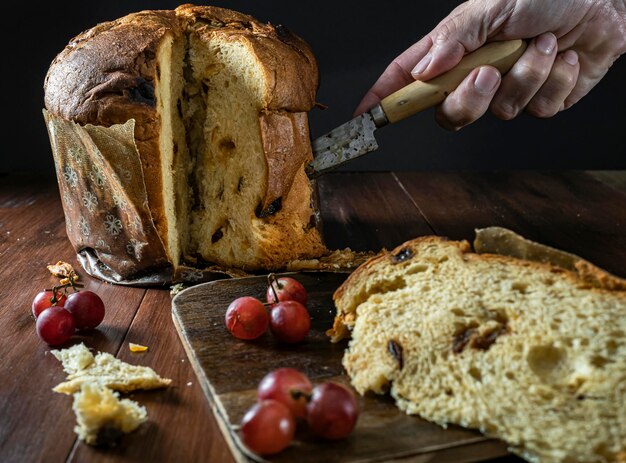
(63, 270)
(105, 370)
(102, 417)
(177, 288)
(337, 260)
(75, 358)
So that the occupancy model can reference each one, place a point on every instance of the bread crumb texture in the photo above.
(522, 351)
(105, 370)
(101, 416)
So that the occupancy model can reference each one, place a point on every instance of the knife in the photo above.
(356, 137)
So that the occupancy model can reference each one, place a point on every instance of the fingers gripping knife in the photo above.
(356, 137)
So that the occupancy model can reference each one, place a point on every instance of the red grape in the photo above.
(332, 411)
(268, 427)
(43, 300)
(290, 322)
(87, 309)
(246, 318)
(55, 325)
(282, 384)
(287, 289)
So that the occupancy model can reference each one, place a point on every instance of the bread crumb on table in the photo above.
(137, 347)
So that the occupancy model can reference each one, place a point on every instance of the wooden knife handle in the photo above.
(419, 95)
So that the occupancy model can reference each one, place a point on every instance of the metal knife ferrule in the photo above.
(379, 116)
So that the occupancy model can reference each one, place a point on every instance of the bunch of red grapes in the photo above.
(287, 318)
(285, 396)
(59, 315)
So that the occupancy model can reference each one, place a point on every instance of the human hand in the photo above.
(574, 43)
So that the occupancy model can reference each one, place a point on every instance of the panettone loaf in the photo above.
(220, 103)
(524, 351)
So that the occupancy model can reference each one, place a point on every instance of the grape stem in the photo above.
(271, 279)
(297, 394)
(56, 289)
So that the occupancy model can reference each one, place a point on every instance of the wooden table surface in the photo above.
(574, 211)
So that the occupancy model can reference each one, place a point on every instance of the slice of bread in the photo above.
(103, 370)
(528, 352)
(102, 417)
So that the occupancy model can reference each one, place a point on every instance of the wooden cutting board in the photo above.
(229, 371)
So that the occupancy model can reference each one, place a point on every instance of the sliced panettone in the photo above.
(104, 370)
(102, 417)
(527, 352)
(220, 105)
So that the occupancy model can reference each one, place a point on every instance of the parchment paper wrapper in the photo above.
(104, 198)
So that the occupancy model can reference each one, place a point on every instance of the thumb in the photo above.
(464, 30)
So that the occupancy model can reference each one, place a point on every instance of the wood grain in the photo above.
(569, 211)
(367, 211)
(31, 236)
(454, 204)
(229, 371)
(613, 178)
(180, 425)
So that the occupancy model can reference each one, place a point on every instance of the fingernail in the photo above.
(546, 43)
(422, 65)
(486, 80)
(570, 57)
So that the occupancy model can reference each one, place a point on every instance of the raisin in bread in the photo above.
(219, 102)
(528, 352)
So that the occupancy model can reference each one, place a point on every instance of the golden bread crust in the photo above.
(106, 76)
(288, 62)
(287, 145)
(583, 274)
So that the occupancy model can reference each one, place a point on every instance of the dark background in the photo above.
(353, 41)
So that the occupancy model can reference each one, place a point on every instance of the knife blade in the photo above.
(356, 137)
